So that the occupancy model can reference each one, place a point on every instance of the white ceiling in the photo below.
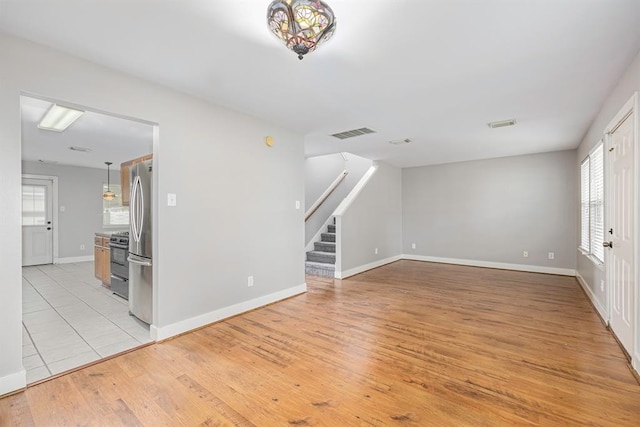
(109, 138)
(435, 71)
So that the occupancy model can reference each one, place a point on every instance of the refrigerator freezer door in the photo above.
(141, 288)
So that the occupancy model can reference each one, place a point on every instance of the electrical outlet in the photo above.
(82, 247)
(250, 281)
(602, 285)
(525, 254)
(552, 255)
(413, 246)
(375, 251)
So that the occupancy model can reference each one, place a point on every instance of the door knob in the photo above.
(607, 244)
(48, 228)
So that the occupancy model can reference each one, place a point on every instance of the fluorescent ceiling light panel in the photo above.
(59, 118)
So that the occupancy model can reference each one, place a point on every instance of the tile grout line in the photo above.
(66, 321)
(88, 305)
(36, 347)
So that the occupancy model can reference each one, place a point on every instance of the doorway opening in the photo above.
(70, 315)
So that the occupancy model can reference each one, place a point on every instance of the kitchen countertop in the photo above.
(108, 233)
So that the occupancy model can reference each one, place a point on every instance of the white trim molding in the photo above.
(362, 268)
(73, 259)
(490, 264)
(164, 332)
(13, 382)
(355, 192)
(594, 300)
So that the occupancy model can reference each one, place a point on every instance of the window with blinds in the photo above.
(592, 204)
(596, 204)
(584, 206)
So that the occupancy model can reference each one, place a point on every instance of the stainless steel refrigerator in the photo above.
(140, 243)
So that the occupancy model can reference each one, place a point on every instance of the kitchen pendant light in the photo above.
(108, 195)
(301, 24)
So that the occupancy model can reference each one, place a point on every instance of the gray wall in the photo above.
(80, 192)
(319, 173)
(235, 213)
(493, 210)
(373, 220)
(592, 274)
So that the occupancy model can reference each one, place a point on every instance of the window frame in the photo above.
(107, 205)
(593, 209)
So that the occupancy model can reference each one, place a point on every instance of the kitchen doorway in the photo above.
(70, 317)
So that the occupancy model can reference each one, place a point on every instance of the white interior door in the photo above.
(621, 263)
(37, 221)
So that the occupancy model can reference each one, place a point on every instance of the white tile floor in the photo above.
(69, 319)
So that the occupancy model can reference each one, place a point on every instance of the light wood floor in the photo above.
(410, 343)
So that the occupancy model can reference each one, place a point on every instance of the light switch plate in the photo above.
(297, 204)
(171, 199)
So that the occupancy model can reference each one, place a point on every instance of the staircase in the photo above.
(322, 260)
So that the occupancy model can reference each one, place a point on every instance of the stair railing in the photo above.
(314, 207)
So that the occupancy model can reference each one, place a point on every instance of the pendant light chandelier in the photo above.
(301, 24)
(108, 195)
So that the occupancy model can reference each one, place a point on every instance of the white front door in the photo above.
(620, 233)
(37, 221)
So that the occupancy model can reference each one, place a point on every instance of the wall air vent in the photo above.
(502, 123)
(353, 133)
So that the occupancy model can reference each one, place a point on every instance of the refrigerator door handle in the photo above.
(137, 209)
(140, 261)
(132, 209)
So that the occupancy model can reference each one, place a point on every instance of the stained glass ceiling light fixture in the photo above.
(302, 25)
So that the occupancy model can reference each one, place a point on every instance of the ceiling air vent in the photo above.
(502, 123)
(82, 149)
(353, 133)
(400, 141)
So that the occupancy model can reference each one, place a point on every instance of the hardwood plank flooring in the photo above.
(410, 343)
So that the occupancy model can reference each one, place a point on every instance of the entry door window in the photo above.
(34, 208)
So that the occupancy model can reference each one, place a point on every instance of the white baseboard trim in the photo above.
(71, 260)
(594, 300)
(164, 332)
(360, 269)
(490, 264)
(13, 382)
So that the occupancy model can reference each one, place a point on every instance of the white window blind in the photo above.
(596, 205)
(592, 204)
(584, 206)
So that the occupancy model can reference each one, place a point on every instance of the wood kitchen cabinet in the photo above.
(124, 176)
(102, 259)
